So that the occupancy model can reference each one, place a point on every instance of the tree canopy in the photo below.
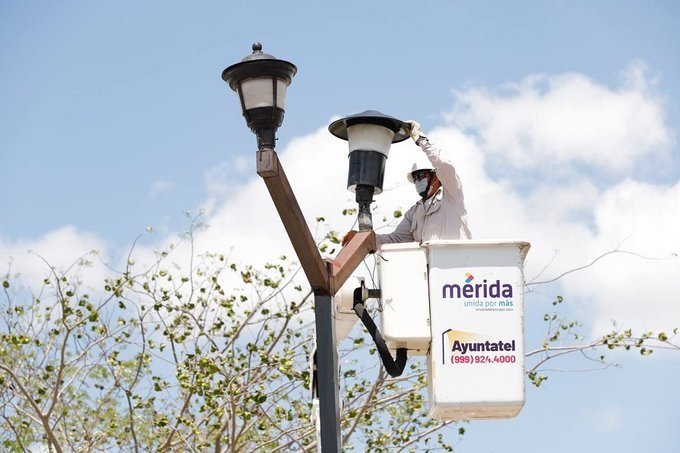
(213, 356)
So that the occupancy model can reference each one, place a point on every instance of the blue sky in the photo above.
(563, 117)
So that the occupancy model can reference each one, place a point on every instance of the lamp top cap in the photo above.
(258, 64)
(258, 54)
(339, 127)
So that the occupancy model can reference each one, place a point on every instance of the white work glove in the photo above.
(415, 131)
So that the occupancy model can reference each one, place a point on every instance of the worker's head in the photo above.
(424, 176)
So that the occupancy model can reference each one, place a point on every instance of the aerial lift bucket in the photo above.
(460, 303)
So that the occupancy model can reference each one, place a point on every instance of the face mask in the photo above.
(422, 187)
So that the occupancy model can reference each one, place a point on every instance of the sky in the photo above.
(561, 117)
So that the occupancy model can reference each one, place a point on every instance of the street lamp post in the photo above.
(261, 81)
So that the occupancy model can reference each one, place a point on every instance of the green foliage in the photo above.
(214, 357)
(563, 338)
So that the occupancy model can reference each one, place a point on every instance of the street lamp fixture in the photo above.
(369, 135)
(261, 81)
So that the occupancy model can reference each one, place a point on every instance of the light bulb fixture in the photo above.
(261, 81)
(369, 135)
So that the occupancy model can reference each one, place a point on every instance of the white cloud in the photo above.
(216, 180)
(60, 249)
(639, 292)
(159, 187)
(551, 120)
(574, 219)
(219, 180)
(248, 221)
(542, 123)
(550, 127)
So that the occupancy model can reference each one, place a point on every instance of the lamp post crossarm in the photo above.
(351, 256)
(323, 276)
(270, 169)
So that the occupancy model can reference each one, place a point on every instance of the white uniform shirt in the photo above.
(442, 216)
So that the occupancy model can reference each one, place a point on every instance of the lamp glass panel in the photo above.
(259, 92)
(369, 137)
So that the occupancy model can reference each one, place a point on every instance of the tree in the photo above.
(211, 357)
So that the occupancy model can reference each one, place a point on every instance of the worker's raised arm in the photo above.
(446, 172)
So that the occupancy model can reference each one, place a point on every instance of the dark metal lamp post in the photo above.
(261, 81)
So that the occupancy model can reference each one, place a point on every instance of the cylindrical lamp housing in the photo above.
(369, 146)
(370, 135)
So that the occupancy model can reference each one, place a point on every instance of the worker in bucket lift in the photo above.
(440, 213)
